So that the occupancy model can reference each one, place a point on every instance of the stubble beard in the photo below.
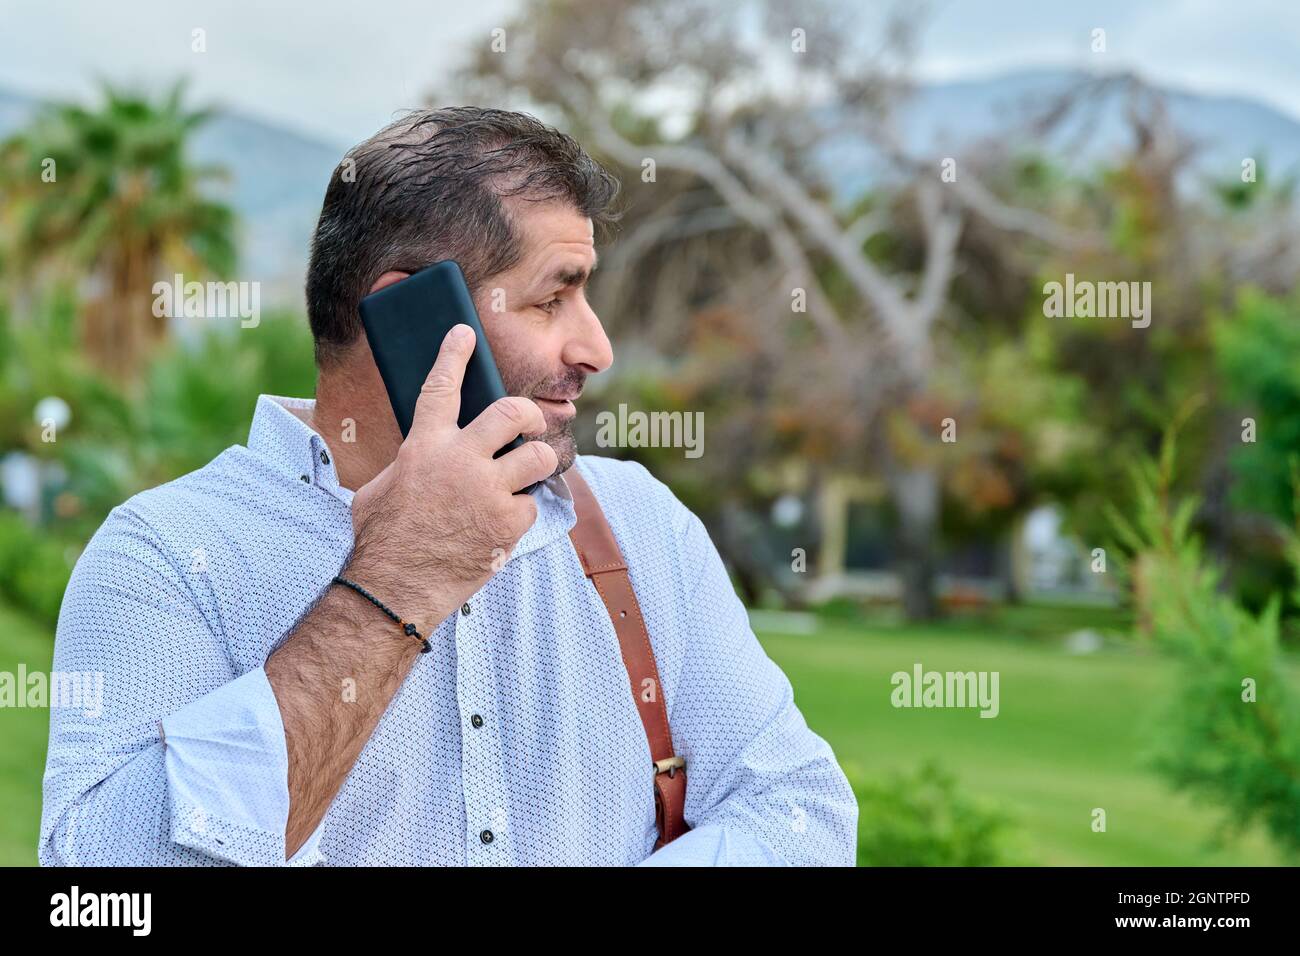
(560, 438)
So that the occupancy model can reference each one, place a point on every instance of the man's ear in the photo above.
(387, 279)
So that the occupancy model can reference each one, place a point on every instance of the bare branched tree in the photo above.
(717, 114)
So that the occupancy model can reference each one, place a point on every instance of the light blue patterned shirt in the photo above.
(520, 723)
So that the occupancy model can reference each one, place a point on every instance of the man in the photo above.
(257, 713)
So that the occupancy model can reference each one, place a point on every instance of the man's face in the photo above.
(544, 336)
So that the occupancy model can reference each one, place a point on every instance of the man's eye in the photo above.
(549, 307)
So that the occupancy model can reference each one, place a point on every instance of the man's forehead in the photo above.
(539, 222)
(556, 238)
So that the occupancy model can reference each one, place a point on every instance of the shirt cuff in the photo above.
(228, 776)
(715, 845)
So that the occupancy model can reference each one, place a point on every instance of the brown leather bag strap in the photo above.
(602, 562)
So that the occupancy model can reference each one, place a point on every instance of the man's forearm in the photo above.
(343, 644)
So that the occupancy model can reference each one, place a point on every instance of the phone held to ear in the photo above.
(405, 324)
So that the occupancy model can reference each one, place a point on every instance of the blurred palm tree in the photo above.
(106, 196)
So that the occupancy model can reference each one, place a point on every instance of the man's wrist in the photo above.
(420, 602)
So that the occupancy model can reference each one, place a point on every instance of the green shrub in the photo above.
(1230, 733)
(923, 819)
(840, 609)
(34, 568)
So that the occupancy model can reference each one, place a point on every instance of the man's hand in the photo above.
(432, 527)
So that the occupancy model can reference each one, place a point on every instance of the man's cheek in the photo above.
(517, 381)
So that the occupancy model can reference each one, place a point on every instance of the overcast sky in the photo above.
(340, 68)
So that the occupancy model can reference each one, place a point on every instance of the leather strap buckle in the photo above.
(670, 765)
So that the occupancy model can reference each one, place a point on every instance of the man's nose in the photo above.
(589, 345)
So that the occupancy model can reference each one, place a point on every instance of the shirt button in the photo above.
(476, 720)
(486, 836)
(464, 609)
(305, 478)
(324, 457)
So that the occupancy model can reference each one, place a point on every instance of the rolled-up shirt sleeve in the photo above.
(762, 787)
(180, 759)
(227, 774)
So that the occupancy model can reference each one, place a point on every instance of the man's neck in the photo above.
(352, 414)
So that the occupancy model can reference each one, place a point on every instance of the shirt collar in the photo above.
(294, 447)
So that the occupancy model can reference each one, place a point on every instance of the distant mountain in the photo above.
(941, 119)
(279, 176)
(278, 181)
(14, 111)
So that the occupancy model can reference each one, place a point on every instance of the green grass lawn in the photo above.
(1069, 737)
(26, 734)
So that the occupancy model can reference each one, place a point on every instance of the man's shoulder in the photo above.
(619, 481)
(631, 496)
(227, 483)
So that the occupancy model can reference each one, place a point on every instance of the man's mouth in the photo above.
(562, 404)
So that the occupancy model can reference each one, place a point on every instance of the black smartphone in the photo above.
(405, 324)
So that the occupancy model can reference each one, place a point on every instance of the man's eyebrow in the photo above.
(567, 277)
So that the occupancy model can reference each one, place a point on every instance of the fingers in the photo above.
(530, 462)
(525, 508)
(438, 406)
(501, 422)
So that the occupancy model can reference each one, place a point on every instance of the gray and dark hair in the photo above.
(430, 187)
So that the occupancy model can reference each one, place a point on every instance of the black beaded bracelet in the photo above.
(407, 627)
